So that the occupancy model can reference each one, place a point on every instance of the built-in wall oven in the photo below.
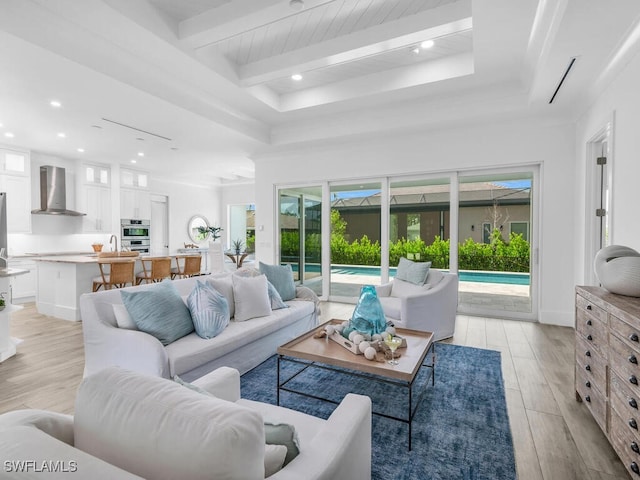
(135, 235)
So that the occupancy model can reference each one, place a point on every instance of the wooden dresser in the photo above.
(607, 371)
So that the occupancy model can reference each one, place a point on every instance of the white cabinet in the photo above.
(23, 287)
(135, 203)
(15, 180)
(94, 198)
(18, 202)
(97, 205)
(135, 199)
(14, 162)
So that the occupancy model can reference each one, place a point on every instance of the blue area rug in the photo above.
(460, 430)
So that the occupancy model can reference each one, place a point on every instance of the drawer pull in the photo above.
(633, 359)
(587, 353)
(589, 322)
(633, 337)
(589, 337)
(634, 467)
(587, 399)
(588, 369)
(588, 307)
(634, 447)
(633, 379)
(633, 423)
(633, 403)
(587, 384)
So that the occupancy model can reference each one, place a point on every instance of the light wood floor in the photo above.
(554, 436)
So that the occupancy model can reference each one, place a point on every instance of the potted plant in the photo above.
(214, 232)
(2, 302)
(237, 245)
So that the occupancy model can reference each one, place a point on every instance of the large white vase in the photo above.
(618, 270)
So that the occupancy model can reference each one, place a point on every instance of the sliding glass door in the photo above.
(495, 232)
(300, 224)
(419, 218)
(355, 238)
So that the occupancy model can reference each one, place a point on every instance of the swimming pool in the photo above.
(464, 275)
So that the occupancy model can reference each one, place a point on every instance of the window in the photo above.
(520, 227)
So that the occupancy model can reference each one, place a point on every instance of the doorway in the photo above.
(159, 225)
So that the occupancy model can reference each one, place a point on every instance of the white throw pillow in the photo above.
(155, 428)
(123, 319)
(434, 277)
(224, 285)
(251, 296)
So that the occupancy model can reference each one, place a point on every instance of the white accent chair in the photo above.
(128, 425)
(216, 257)
(431, 307)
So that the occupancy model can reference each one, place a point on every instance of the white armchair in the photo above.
(430, 307)
(130, 426)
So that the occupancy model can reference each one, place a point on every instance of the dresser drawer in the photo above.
(591, 364)
(628, 333)
(592, 330)
(626, 444)
(584, 305)
(593, 398)
(623, 397)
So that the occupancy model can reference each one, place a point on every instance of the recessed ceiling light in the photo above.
(141, 154)
(81, 150)
(62, 135)
(133, 160)
(141, 139)
(296, 76)
(96, 126)
(174, 148)
(9, 134)
(416, 50)
(427, 44)
(296, 4)
(55, 103)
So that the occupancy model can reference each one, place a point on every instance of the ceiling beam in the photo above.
(407, 31)
(234, 18)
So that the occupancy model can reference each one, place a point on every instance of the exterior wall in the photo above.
(517, 142)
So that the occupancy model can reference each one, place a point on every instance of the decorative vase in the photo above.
(368, 316)
(618, 270)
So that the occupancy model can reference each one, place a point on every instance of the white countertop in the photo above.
(12, 272)
(69, 258)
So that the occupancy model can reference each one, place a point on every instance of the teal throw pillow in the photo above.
(159, 311)
(413, 272)
(209, 310)
(275, 298)
(283, 434)
(281, 276)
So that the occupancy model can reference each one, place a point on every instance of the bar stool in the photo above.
(189, 267)
(159, 269)
(117, 275)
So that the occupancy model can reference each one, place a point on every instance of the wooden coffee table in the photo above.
(327, 354)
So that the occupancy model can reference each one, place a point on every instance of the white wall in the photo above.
(185, 201)
(517, 142)
(620, 100)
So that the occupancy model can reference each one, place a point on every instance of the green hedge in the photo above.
(512, 256)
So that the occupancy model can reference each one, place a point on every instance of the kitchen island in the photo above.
(61, 279)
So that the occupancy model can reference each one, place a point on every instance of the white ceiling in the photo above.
(199, 86)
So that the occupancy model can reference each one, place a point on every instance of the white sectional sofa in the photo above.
(241, 345)
(129, 425)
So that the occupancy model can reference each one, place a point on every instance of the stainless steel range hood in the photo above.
(53, 193)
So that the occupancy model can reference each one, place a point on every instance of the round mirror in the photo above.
(196, 227)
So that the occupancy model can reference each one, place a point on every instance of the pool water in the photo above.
(464, 276)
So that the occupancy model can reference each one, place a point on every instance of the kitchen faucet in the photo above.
(114, 238)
